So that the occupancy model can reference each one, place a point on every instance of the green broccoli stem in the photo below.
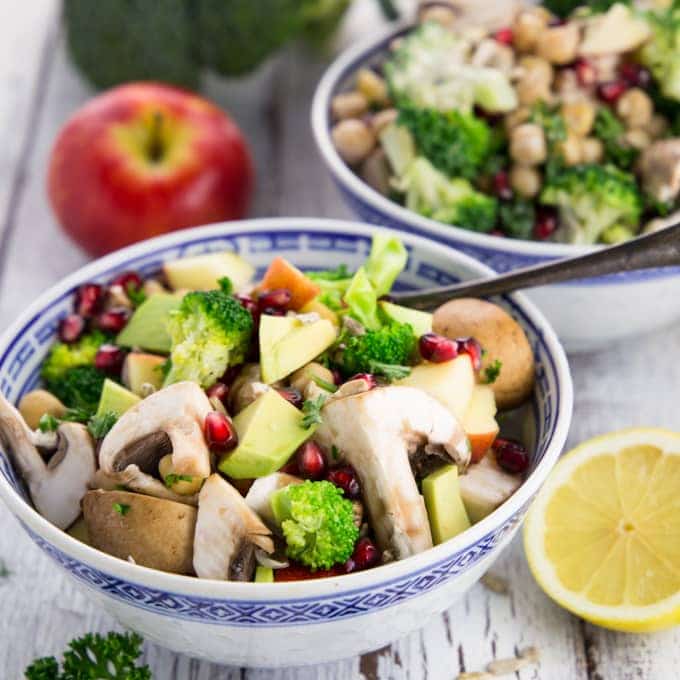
(389, 11)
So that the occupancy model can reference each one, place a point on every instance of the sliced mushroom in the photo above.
(247, 387)
(227, 532)
(58, 485)
(169, 421)
(375, 432)
(660, 169)
(154, 532)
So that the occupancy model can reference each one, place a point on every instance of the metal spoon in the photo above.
(658, 249)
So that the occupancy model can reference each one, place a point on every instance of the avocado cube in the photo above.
(444, 504)
(147, 326)
(421, 322)
(115, 399)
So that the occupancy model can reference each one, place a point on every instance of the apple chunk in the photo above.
(479, 421)
(451, 382)
(202, 272)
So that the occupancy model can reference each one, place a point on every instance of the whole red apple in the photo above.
(144, 159)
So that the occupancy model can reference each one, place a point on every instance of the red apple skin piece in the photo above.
(107, 190)
(480, 443)
(480, 422)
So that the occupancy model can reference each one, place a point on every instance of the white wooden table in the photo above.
(636, 383)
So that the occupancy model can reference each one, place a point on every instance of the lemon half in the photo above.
(603, 535)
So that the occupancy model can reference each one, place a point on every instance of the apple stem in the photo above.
(156, 138)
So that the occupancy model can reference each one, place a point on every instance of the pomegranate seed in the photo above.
(291, 395)
(501, 185)
(504, 36)
(368, 377)
(89, 299)
(128, 280)
(610, 91)
(635, 75)
(279, 298)
(365, 556)
(345, 477)
(247, 302)
(556, 21)
(71, 328)
(109, 358)
(546, 223)
(310, 461)
(437, 348)
(220, 432)
(337, 377)
(218, 391)
(471, 347)
(586, 73)
(291, 468)
(113, 320)
(511, 455)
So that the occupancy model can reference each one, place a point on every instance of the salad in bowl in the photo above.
(561, 129)
(207, 422)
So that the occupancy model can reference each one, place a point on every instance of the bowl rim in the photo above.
(211, 589)
(346, 62)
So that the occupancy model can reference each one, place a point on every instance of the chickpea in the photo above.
(493, 54)
(382, 119)
(526, 30)
(446, 16)
(638, 138)
(305, 375)
(520, 115)
(534, 84)
(592, 150)
(372, 86)
(635, 108)
(353, 139)
(184, 485)
(528, 145)
(571, 149)
(558, 44)
(579, 116)
(657, 126)
(36, 403)
(567, 86)
(348, 105)
(525, 180)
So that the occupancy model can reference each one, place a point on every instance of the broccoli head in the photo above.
(63, 356)
(428, 70)
(456, 143)
(661, 54)
(610, 130)
(209, 332)
(317, 523)
(79, 387)
(591, 199)
(375, 351)
(452, 201)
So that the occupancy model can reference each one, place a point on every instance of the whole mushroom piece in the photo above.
(58, 485)
(169, 421)
(376, 432)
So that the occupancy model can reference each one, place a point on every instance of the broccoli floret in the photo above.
(517, 218)
(610, 130)
(428, 70)
(209, 332)
(317, 523)
(79, 388)
(391, 345)
(113, 42)
(456, 143)
(592, 198)
(661, 54)
(452, 201)
(63, 356)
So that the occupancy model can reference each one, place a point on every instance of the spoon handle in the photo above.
(659, 249)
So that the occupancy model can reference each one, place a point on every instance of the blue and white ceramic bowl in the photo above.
(586, 314)
(250, 624)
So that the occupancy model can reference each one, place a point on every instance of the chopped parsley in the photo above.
(389, 371)
(171, 479)
(48, 423)
(323, 384)
(99, 425)
(492, 372)
(135, 294)
(312, 411)
(121, 508)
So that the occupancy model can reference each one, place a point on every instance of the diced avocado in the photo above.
(202, 272)
(115, 399)
(140, 369)
(399, 147)
(287, 343)
(444, 504)
(264, 574)
(485, 486)
(421, 322)
(269, 431)
(146, 328)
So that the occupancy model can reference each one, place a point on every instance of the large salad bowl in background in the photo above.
(256, 624)
(587, 314)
